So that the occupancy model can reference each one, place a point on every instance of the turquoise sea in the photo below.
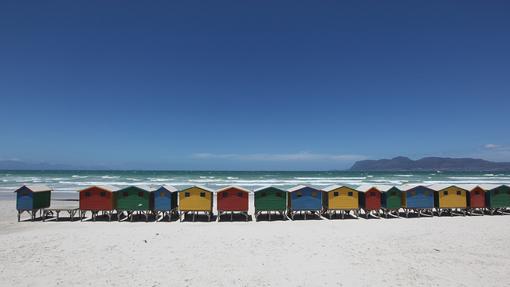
(65, 181)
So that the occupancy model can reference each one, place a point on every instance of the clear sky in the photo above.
(252, 84)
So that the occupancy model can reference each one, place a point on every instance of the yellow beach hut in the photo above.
(195, 200)
(342, 199)
(449, 198)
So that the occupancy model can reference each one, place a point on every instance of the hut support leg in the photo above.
(19, 216)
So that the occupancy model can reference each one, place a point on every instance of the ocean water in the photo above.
(69, 181)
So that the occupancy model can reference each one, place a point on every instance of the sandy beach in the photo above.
(446, 251)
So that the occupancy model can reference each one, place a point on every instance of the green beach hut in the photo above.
(391, 199)
(497, 199)
(270, 200)
(134, 200)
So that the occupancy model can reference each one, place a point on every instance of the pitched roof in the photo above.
(299, 187)
(406, 187)
(484, 186)
(335, 187)
(144, 187)
(441, 186)
(198, 186)
(233, 186)
(35, 188)
(167, 187)
(268, 187)
(109, 188)
(380, 187)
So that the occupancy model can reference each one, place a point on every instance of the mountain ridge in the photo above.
(402, 163)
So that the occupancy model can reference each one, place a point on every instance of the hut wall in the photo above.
(305, 199)
(418, 197)
(195, 199)
(270, 199)
(371, 200)
(232, 199)
(134, 199)
(96, 199)
(451, 197)
(498, 197)
(476, 198)
(24, 199)
(391, 199)
(342, 198)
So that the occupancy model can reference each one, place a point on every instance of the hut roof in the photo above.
(35, 188)
(406, 187)
(299, 187)
(198, 186)
(168, 187)
(267, 187)
(143, 187)
(336, 186)
(233, 186)
(484, 186)
(441, 186)
(109, 188)
(380, 187)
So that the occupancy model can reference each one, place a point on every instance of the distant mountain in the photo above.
(402, 163)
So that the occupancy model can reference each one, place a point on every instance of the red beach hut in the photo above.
(98, 198)
(232, 199)
(369, 199)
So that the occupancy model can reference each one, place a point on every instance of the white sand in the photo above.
(458, 251)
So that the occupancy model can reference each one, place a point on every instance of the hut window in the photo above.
(477, 192)
(278, 194)
(298, 194)
(87, 194)
(350, 193)
(413, 193)
(459, 192)
(372, 193)
(225, 194)
(335, 193)
(314, 193)
(263, 194)
(239, 194)
(140, 193)
(393, 193)
(426, 193)
(445, 192)
(202, 194)
(102, 194)
(24, 193)
(125, 194)
(162, 194)
(496, 192)
(186, 194)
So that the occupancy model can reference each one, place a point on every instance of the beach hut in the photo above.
(497, 199)
(304, 199)
(391, 199)
(449, 198)
(342, 199)
(31, 199)
(134, 200)
(476, 196)
(195, 200)
(270, 199)
(369, 200)
(232, 199)
(165, 201)
(417, 199)
(96, 199)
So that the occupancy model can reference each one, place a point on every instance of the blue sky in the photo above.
(311, 85)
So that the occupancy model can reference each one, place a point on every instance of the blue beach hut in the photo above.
(304, 199)
(417, 199)
(165, 201)
(32, 198)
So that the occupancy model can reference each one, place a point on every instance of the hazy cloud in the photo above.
(492, 146)
(301, 156)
